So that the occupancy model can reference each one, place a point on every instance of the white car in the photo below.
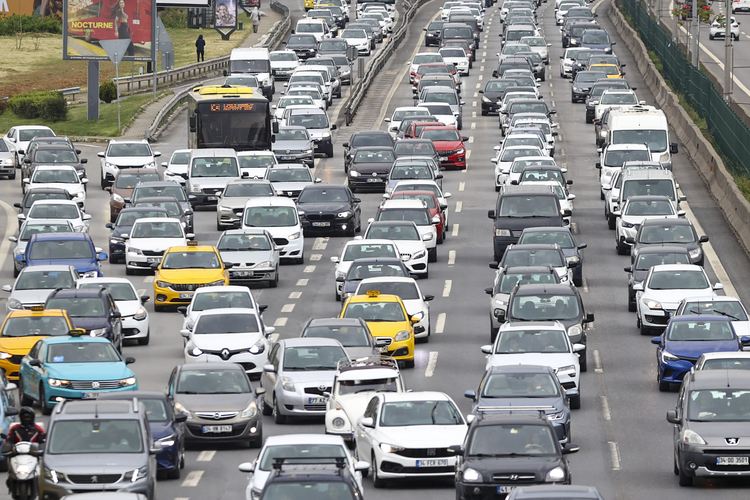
(283, 102)
(612, 98)
(612, 157)
(19, 137)
(408, 240)
(279, 216)
(723, 360)
(314, 92)
(400, 428)
(135, 320)
(149, 239)
(562, 12)
(125, 154)
(416, 210)
(424, 185)
(566, 62)
(59, 177)
(443, 112)
(58, 209)
(516, 168)
(357, 38)
(407, 289)
(360, 249)
(229, 335)
(458, 58)
(723, 305)
(447, 8)
(539, 45)
(298, 446)
(34, 285)
(394, 122)
(636, 210)
(255, 163)
(422, 58)
(505, 158)
(283, 63)
(719, 28)
(563, 196)
(521, 137)
(543, 343)
(657, 298)
(218, 297)
(176, 169)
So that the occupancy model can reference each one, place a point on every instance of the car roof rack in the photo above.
(309, 463)
(488, 411)
(369, 362)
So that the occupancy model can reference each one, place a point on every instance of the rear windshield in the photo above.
(662, 187)
(528, 206)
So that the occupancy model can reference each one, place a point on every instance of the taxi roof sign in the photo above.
(192, 243)
(77, 332)
(373, 293)
(37, 308)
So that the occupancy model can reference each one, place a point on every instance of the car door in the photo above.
(32, 375)
(171, 386)
(354, 203)
(268, 379)
(115, 318)
(363, 435)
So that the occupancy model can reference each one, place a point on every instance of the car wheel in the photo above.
(159, 309)
(219, 227)
(611, 221)
(497, 188)
(4, 465)
(589, 119)
(301, 259)
(338, 297)
(425, 275)
(265, 408)
(409, 363)
(432, 255)
(16, 272)
(146, 339)
(277, 416)
(104, 182)
(129, 271)
(25, 399)
(46, 410)
(484, 113)
(643, 328)
(329, 153)
(493, 333)
(274, 282)
(11, 176)
(583, 361)
(174, 473)
(685, 480)
(676, 468)
(376, 480)
(575, 402)
(631, 302)
(663, 386)
(622, 249)
(578, 281)
(710, 37)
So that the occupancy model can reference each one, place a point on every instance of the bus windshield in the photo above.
(244, 126)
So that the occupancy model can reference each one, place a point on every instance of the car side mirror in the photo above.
(672, 417)
(703, 239)
(183, 310)
(129, 360)
(630, 240)
(718, 286)
(628, 269)
(572, 264)
(589, 318)
(569, 448)
(8, 388)
(269, 368)
(270, 330)
(367, 422)
(11, 412)
(656, 340)
(259, 391)
(180, 417)
(156, 448)
(486, 349)
(456, 450)
(471, 395)
(491, 214)
(185, 333)
(638, 287)
(35, 362)
(488, 291)
(7, 288)
(494, 265)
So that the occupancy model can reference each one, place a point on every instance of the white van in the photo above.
(316, 27)
(278, 215)
(209, 170)
(252, 61)
(643, 125)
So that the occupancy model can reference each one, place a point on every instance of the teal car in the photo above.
(73, 367)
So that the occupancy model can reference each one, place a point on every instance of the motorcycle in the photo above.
(23, 470)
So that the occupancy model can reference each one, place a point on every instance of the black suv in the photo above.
(311, 477)
(503, 451)
(90, 309)
(54, 155)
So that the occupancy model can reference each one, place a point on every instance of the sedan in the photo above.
(58, 209)
(649, 257)
(327, 207)
(563, 237)
(294, 144)
(305, 46)
(357, 38)
(352, 333)
(124, 225)
(7, 160)
(217, 297)
(135, 321)
(149, 239)
(124, 183)
(375, 267)
(290, 179)
(449, 144)
(37, 194)
(636, 210)
(254, 255)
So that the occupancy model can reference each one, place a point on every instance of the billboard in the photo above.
(225, 14)
(248, 5)
(87, 22)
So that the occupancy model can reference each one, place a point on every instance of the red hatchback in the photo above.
(430, 69)
(449, 145)
(432, 203)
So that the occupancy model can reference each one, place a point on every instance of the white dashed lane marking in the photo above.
(280, 322)
(287, 308)
(309, 269)
(461, 186)
(431, 364)
(302, 282)
(455, 230)
(193, 478)
(447, 288)
(440, 325)
(320, 243)
(451, 257)
(316, 256)
(459, 205)
(206, 456)
(295, 295)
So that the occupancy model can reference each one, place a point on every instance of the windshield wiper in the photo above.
(725, 314)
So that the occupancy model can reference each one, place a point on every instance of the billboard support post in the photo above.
(155, 49)
(93, 91)
(115, 50)
(117, 79)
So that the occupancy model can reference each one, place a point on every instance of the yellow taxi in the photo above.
(387, 319)
(309, 4)
(611, 70)
(22, 329)
(185, 269)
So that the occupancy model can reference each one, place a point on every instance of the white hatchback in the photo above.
(360, 249)
(149, 239)
(408, 240)
(58, 209)
(218, 297)
(59, 177)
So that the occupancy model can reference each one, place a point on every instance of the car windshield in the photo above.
(270, 217)
(172, 207)
(523, 141)
(79, 307)
(509, 280)
(354, 33)
(437, 109)
(35, 326)
(256, 161)
(214, 167)
(333, 45)
(310, 28)
(314, 94)
(182, 158)
(31, 229)
(689, 331)
(244, 243)
(43, 280)
(440, 135)
(546, 308)
(54, 211)
(247, 81)
(519, 165)
(508, 155)
(309, 121)
(219, 300)
(309, 490)
(499, 86)
(732, 309)
(304, 453)
(401, 232)
(646, 261)
(409, 413)
(520, 385)
(527, 107)
(528, 206)
(432, 70)
(678, 280)
(149, 229)
(175, 192)
(405, 290)
(420, 217)
(385, 156)
(95, 436)
(427, 58)
(129, 149)
(191, 260)
(563, 238)
(248, 190)
(656, 139)
(324, 195)
(376, 311)
(534, 41)
(512, 49)
(313, 358)
(226, 323)
(118, 291)
(597, 38)
(727, 405)
(649, 208)
(512, 440)
(82, 352)
(282, 56)
(30, 133)
(617, 158)
(645, 187)
(61, 249)
(156, 410)
(294, 134)
(214, 381)
(618, 99)
(128, 181)
(609, 70)
(32, 196)
(453, 53)
(289, 175)
(363, 140)
(127, 219)
(366, 250)
(48, 156)
(348, 336)
(590, 77)
(445, 97)
(681, 234)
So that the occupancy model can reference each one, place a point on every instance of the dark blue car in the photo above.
(167, 428)
(686, 338)
(70, 249)
(564, 238)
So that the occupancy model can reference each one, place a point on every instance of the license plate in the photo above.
(216, 428)
(287, 158)
(384, 349)
(435, 462)
(90, 395)
(374, 179)
(186, 295)
(154, 260)
(321, 224)
(211, 198)
(242, 273)
(732, 460)
(316, 401)
(505, 489)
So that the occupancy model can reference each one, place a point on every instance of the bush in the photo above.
(174, 18)
(108, 92)
(10, 25)
(3, 105)
(46, 105)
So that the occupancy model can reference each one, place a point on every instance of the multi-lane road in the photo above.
(625, 441)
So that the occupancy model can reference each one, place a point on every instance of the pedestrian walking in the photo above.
(200, 45)
(255, 17)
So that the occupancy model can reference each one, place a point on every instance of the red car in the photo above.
(449, 145)
(432, 203)
(429, 69)
(415, 128)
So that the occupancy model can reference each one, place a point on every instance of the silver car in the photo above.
(29, 228)
(35, 283)
(294, 144)
(299, 376)
(232, 201)
(290, 179)
(254, 255)
(7, 160)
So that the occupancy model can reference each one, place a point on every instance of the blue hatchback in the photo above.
(70, 249)
(686, 338)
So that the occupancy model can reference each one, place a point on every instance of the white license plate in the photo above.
(211, 198)
(505, 489)
(435, 462)
(732, 460)
(287, 158)
(321, 224)
(90, 395)
(316, 401)
(188, 295)
(242, 273)
(374, 179)
(153, 260)
(216, 428)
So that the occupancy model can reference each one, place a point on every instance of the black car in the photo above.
(512, 62)
(57, 154)
(598, 89)
(571, 36)
(649, 256)
(365, 138)
(90, 309)
(555, 492)
(167, 428)
(493, 94)
(582, 84)
(417, 147)
(564, 238)
(369, 168)
(331, 46)
(123, 225)
(432, 37)
(37, 194)
(678, 231)
(370, 268)
(328, 207)
(504, 450)
(377, 30)
(305, 46)
(165, 189)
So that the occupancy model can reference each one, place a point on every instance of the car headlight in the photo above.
(80, 195)
(54, 382)
(308, 151)
(255, 494)
(225, 209)
(326, 134)
(257, 348)
(556, 416)
(287, 384)
(163, 284)
(140, 314)
(98, 332)
(250, 411)
(472, 476)
(460, 151)
(652, 304)
(151, 165)
(573, 258)
(427, 237)
(420, 254)
(167, 441)
(136, 474)
(626, 223)
(353, 173)
(5, 355)
(195, 188)
(135, 251)
(117, 198)
(15, 304)
(52, 475)
(345, 214)
(8, 161)
(575, 330)
(577, 89)
(419, 315)
(116, 241)
(402, 335)
(19, 251)
(110, 165)
(502, 232)
(390, 448)
(294, 236)
(555, 475)
(338, 423)
(692, 437)
(667, 356)
(194, 350)
(486, 99)
(90, 274)
(694, 254)
(217, 283)
(126, 382)
(566, 368)
(265, 263)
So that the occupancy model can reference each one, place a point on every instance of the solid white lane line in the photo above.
(597, 362)
(309, 269)
(459, 205)
(615, 451)
(287, 308)
(431, 363)
(452, 258)
(302, 282)
(461, 186)
(440, 325)
(316, 256)
(295, 295)
(280, 322)
(447, 288)
(193, 478)
(320, 243)
(206, 456)
(605, 408)
(455, 230)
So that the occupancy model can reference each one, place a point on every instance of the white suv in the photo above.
(125, 154)
(279, 216)
(149, 239)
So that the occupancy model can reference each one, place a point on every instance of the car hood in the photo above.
(95, 463)
(31, 296)
(494, 95)
(290, 186)
(128, 307)
(669, 299)
(89, 371)
(211, 182)
(117, 231)
(284, 64)
(424, 436)
(693, 349)
(156, 244)
(298, 46)
(331, 207)
(70, 188)
(231, 341)
(190, 275)
(715, 433)
(280, 146)
(130, 161)
(554, 360)
(741, 328)
(89, 323)
(215, 402)
(321, 377)
(245, 258)
(355, 404)
(447, 145)
(535, 463)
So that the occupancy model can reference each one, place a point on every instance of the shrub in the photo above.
(55, 108)
(174, 18)
(3, 105)
(9, 25)
(46, 105)
(108, 92)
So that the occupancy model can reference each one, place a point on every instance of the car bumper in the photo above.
(674, 371)
(252, 363)
(117, 250)
(54, 491)
(169, 458)
(135, 261)
(482, 491)
(654, 318)
(242, 429)
(402, 350)
(204, 199)
(579, 95)
(292, 250)
(327, 226)
(454, 161)
(306, 158)
(392, 465)
(704, 458)
(283, 74)
(134, 329)
(57, 394)
(241, 276)
(227, 219)
(367, 182)
(299, 403)
(11, 369)
(322, 145)
(490, 107)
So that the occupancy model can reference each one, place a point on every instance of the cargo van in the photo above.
(642, 125)
(209, 170)
(252, 61)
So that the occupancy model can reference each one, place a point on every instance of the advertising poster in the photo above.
(225, 14)
(249, 5)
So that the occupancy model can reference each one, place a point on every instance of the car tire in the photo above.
(265, 409)
(432, 255)
(663, 386)
(622, 249)
(338, 297)
(710, 37)
(219, 227)
(684, 479)
(611, 221)
(643, 328)
(493, 333)
(426, 274)
(583, 361)
(377, 482)
(25, 400)
(16, 272)
(46, 410)
(631, 305)
(591, 120)
(11, 177)
(159, 309)
(174, 473)
(278, 418)
(4, 465)
(578, 282)
(104, 182)
(676, 468)
(300, 260)
(575, 402)
(484, 113)
(145, 340)
(409, 364)
(129, 271)
(329, 153)
(274, 282)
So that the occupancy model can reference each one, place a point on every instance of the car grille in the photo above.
(152, 253)
(319, 217)
(93, 478)
(519, 478)
(317, 390)
(15, 359)
(186, 287)
(315, 407)
(291, 194)
(425, 453)
(212, 191)
(384, 340)
(130, 166)
(247, 366)
(689, 360)
(281, 241)
(516, 234)
(89, 384)
(216, 415)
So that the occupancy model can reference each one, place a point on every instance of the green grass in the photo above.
(78, 125)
